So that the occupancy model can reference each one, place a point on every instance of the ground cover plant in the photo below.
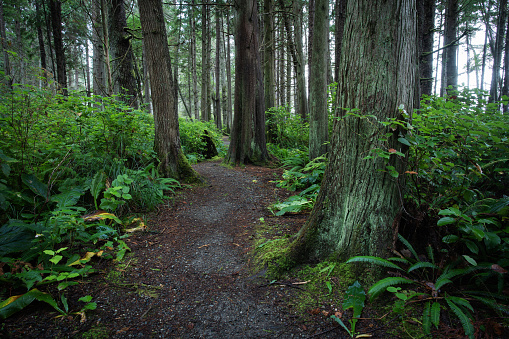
(77, 175)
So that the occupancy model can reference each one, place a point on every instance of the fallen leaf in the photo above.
(338, 314)
(392, 150)
(498, 269)
(325, 313)
(315, 311)
(411, 172)
(190, 326)
(204, 245)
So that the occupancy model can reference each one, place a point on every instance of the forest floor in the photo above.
(190, 274)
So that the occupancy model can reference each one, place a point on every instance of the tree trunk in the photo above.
(505, 87)
(98, 72)
(449, 64)
(425, 28)
(122, 58)
(497, 53)
(268, 65)
(173, 163)
(56, 24)
(146, 77)
(359, 201)
(248, 132)
(3, 36)
(192, 52)
(40, 38)
(318, 117)
(205, 62)
(339, 27)
(228, 74)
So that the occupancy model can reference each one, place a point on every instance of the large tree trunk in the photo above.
(425, 28)
(228, 74)
(192, 55)
(173, 163)
(205, 63)
(359, 200)
(98, 72)
(122, 58)
(449, 64)
(339, 27)
(217, 97)
(268, 65)
(3, 37)
(56, 24)
(318, 117)
(497, 53)
(248, 133)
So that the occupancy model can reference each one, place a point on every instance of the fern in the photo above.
(491, 303)
(445, 277)
(407, 244)
(401, 260)
(421, 264)
(381, 285)
(375, 261)
(431, 255)
(464, 319)
(426, 318)
(435, 314)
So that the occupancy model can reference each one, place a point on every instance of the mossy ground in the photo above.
(99, 332)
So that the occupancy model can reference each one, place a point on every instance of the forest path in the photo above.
(192, 278)
(188, 275)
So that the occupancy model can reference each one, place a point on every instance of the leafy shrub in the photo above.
(290, 131)
(191, 137)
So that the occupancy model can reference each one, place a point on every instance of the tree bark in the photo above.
(56, 24)
(192, 52)
(359, 201)
(248, 133)
(449, 64)
(425, 28)
(122, 58)
(497, 53)
(217, 98)
(173, 162)
(339, 27)
(268, 64)
(318, 117)
(3, 36)
(205, 62)
(98, 72)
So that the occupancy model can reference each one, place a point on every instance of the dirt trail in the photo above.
(187, 277)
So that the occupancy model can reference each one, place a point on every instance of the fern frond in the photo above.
(381, 285)
(375, 261)
(435, 314)
(426, 318)
(446, 277)
(407, 244)
(422, 264)
(401, 260)
(464, 319)
(492, 304)
(431, 254)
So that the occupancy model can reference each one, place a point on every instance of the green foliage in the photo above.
(290, 130)
(432, 283)
(61, 158)
(191, 137)
(300, 176)
(354, 298)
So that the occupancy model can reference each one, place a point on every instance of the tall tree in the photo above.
(205, 62)
(497, 51)
(339, 25)
(3, 36)
(359, 201)
(449, 64)
(192, 55)
(99, 67)
(318, 114)
(248, 132)
(173, 162)
(122, 58)
(56, 24)
(268, 64)
(425, 29)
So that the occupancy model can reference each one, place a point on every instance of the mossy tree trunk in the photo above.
(359, 202)
(173, 162)
(248, 130)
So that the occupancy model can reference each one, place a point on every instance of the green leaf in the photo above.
(446, 221)
(464, 319)
(16, 303)
(339, 321)
(426, 318)
(408, 245)
(422, 264)
(470, 260)
(381, 285)
(435, 314)
(404, 141)
(375, 261)
(86, 298)
(68, 198)
(35, 185)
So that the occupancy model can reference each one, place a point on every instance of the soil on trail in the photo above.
(188, 276)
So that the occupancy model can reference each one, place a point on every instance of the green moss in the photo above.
(186, 173)
(117, 272)
(99, 332)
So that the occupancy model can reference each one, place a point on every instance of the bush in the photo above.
(191, 137)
